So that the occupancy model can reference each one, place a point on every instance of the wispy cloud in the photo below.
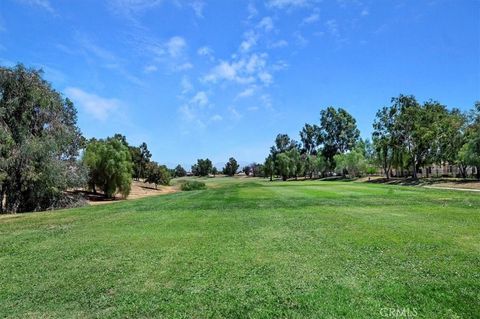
(246, 93)
(312, 18)
(364, 13)
(281, 4)
(99, 108)
(266, 24)
(43, 4)
(197, 6)
(131, 8)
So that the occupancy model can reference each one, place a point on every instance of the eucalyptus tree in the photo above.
(39, 142)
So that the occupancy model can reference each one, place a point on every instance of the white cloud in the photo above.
(197, 7)
(186, 85)
(175, 46)
(252, 10)
(234, 113)
(183, 66)
(129, 8)
(281, 4)
(150, 68)
(266, 24)
(314, 17)
(216, 118)
(200, 99)
(205, 51)
(98, 107)
(44, 4)
(332, 26)
(250, 41)
(279, 44)
(252, 108)
(265, 77)
(242, 71)
(246, 93)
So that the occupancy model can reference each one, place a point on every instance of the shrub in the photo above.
(192, 186)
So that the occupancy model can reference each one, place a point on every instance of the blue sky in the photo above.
(220, 78)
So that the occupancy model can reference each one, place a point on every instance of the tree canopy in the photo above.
(39, 142)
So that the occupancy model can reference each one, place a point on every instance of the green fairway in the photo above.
(249, 248)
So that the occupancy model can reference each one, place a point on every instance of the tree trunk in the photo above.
(414, 165)
(284, 177)
(478, 172)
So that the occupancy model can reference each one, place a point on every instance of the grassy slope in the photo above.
(249, 249)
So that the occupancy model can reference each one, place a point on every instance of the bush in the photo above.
(192, 186)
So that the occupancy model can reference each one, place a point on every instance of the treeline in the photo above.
(407, 136)
(40, 144)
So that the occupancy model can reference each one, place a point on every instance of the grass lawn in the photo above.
(249, 248)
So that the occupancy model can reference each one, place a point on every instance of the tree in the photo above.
(352, 162)
(269, 167)
(283, 143)
(202, 168)
(180, 171)
(283, 165)
(157, 174)
(214, 171)
(145, 156)
(296, 164)
(39, 143)
(470, 152)
(247, 169)
(385, 138)
(338, 132)
(310, 137)
(231, 167)
(321, 164)
(110, 166)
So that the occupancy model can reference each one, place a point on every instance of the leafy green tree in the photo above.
(39, 143)
(269, 167)
(180, 171)
(385, 138)
(310, 137)
(247, 169)
(283, 165)
(257, 170)
(110, 166)
(338, 133)
(283, 143)
(202, 168)
(321, 164)
(352, 162)
(214, 171)
(296, 164)
(157, 174)
(470, 152)
(231, 167)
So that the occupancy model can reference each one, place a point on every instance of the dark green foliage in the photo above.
(231, 167)
(180, 171)
(157, 174)
(338, 133)
(202, 168)
(192, 186)
(110, 166)
(310, 138)
(39, 143)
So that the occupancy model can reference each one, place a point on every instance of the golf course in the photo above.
(249, 248)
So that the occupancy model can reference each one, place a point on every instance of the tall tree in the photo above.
(310, 137)
(385, 139)
(338, 132)
(39, 142)
(283, 165)
(269, 167)
(231, 167)
(180, 171)
(202, 168)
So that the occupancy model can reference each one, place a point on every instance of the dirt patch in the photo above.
(139, 190)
